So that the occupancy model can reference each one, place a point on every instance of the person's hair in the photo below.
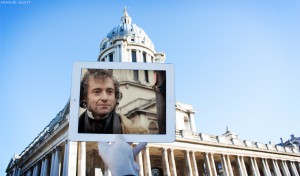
(97, 74)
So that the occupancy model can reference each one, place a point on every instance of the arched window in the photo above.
(153, 128)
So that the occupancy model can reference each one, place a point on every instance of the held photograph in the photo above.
(131, 101)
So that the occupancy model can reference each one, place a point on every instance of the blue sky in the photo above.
(236, 62)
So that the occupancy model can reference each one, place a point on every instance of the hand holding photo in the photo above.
(128, 99)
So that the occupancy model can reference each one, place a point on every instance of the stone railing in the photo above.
(234, 141)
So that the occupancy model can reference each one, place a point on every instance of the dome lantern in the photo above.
(126, 19)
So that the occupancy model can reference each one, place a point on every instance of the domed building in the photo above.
(193, 153)
(128, 43)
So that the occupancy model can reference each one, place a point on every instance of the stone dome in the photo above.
(127, 42)
(127, 28)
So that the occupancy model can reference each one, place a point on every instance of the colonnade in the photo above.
(199, 163)
(139, 55)
(70, 158)
(53, 163)
(120, 51)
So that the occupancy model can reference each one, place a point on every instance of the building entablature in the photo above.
(243, 145)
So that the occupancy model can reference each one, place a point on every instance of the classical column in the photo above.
(280, 166)
(52, 163)
(147, 57)
(213, 166)
(195, 169)
(294, 172)
(34, 171)
(140, 162)
(66, 156)
(295, 168)
(140, 56)
(207, 164)
(277, 167)
(277, 172)
(116, 52)
(286, 168)
(188, 162)
(241, 170)
(269, 170)
(266, 171)
(283, 168)
(224, 165)
(244, 166)
(294, 165)
(253, 170)
(173, 165)
(57, 162)
(46, 170)
(71, 160)
(147, 162)
(129, 55)
(42, 167)
(165, 161)
(229, 166)
(124, 52)
(256, 167)
(82, 159)
(38, 169)
(137, 55)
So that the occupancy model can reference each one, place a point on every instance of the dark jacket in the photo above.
(114, 124)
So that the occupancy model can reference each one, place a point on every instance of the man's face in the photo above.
(101, 99)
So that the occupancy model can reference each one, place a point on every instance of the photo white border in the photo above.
(75, 99)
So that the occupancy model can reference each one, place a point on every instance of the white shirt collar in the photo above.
(90, 115)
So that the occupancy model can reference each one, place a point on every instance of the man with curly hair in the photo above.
(100, 95)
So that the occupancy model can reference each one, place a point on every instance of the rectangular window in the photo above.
(146, 76)
(111, 57)
(136, 75)
(133, 55)
(144, 57)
